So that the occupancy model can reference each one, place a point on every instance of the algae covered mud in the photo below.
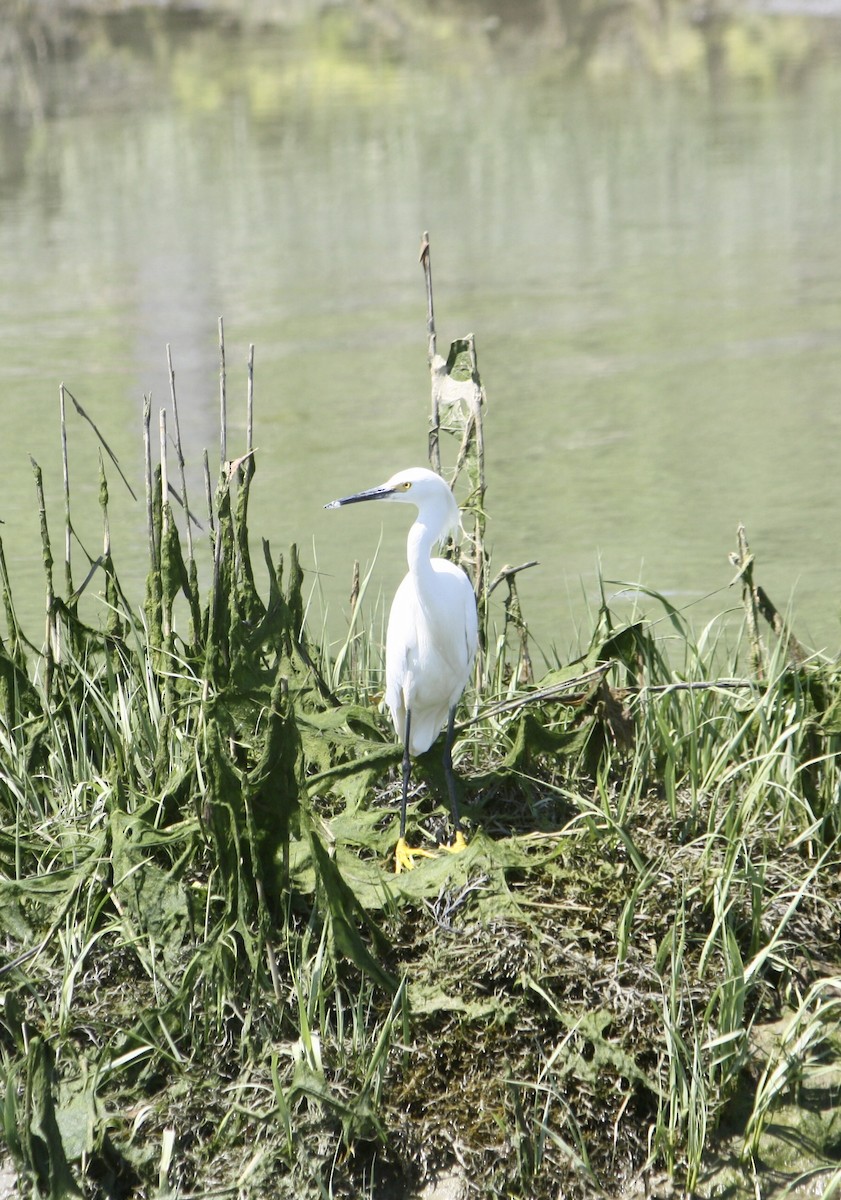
(214, 985)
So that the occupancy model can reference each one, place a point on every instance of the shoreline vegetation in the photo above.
(767, 44)
(211, 982)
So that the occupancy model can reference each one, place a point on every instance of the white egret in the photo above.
(433, 633)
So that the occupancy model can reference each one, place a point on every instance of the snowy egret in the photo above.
(433, 632)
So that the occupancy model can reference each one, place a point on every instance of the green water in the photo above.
(652, 277)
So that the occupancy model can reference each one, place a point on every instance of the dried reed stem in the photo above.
(435, 422)
(15, 631)
(166, 608)
(106, 524)
(756, 601)
(150, 504)
(208, 495)
(52, 650)
(353, 653)
(743, 561)
(102, 441)
(452, 393)
(478, 412)
(793, 650)
(475, 434)
(249, 420)
(426, 263)
(164, 472)
(68, 536)
(223, 402)
(179, 453)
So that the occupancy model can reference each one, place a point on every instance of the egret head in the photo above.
(432, 497)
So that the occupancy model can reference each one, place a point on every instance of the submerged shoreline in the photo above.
(710, 46)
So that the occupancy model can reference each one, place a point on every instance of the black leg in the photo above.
(407, 772)
(448, 769)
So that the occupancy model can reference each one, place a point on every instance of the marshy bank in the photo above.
(212, 982)
(649, 260)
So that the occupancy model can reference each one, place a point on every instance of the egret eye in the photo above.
(404, 486)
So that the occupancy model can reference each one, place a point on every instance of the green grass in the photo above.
(211, 983)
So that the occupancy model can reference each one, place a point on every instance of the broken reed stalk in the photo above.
(223, 401)
(12, 624)
(743, 560)
(756, 601)
(208, 496)
(457, 391)
(102, 441)
(569, 691)
(52, 648)
(106, 522)
(244, 469)
(249, 415)
(792, 648)
(68, 576)
(473, 438)
(164, 472)
(166, 613)
(150, 503)
(472, 452)
(480, 430)
(353, 654)
(180, 455)
(434, 432)
(430, 310)
(514, 616)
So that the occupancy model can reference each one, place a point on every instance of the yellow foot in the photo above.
(458, 844)
(404, 856)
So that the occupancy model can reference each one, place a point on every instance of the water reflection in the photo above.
(651, 278)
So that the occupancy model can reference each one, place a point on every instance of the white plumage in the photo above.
(433, 628)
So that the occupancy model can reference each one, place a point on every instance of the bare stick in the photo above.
(507, 571)
(223, 402)
(575, 691)
(179, 453)
(68, 537)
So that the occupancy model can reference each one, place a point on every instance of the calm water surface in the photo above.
(653, 279)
